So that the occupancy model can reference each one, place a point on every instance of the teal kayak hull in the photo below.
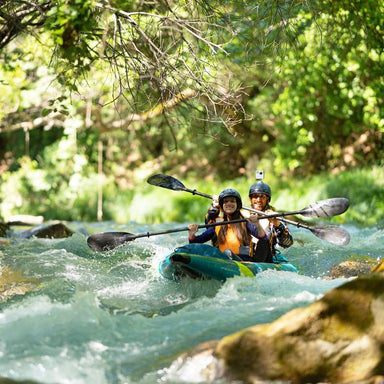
(202, 261)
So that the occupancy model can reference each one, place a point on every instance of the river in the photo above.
(103, 318)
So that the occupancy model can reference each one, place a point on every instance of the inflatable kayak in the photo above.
(202, 261)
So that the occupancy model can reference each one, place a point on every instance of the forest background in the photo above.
(96, 96)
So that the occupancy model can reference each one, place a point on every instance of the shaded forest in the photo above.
(97, 96)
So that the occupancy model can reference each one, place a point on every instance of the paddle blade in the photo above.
(332, 234)
(166, 181)
(327, 208)
(109, 240)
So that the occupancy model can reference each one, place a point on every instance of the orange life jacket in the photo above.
(231, 240)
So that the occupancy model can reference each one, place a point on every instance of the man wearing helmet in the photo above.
(229, 236)
(261, 250)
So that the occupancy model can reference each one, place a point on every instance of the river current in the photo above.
(101, 318)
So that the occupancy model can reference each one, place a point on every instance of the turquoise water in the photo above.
(110, 317)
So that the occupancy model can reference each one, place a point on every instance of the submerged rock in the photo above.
(337, 339)
(12, 282)
(352, 268)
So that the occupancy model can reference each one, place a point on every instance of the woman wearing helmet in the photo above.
(229, 236)
(278, 234)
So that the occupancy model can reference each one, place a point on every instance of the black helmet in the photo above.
(229, 192)
(260, 187)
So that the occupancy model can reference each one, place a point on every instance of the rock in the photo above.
(5, 380)
(379, 268)
(56, 231)
(12, 283)
(4, 227)
(352, 268)
(337, 339)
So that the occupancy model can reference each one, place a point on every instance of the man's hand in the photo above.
(273, 220)
(255, 220)
(215, 201)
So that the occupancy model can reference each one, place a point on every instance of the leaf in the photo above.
(46, 112)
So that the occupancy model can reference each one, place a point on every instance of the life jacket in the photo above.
(231, 240)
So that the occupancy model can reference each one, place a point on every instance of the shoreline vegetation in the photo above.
(144, 203)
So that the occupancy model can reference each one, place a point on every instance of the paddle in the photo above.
(324, 208)
(330, 233)
(109, 240)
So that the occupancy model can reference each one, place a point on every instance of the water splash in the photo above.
(111, 318)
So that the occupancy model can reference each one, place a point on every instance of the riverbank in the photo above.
(147, 204)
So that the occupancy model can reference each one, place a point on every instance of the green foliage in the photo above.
(363, 187)
(71, 25)
(58, 186)
(309, 91)
(329, 111)
(41, 192)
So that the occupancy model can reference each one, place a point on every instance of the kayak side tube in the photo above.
(180, 264)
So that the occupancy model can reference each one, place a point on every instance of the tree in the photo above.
(208, 67)
(329, 109)
(157, 52)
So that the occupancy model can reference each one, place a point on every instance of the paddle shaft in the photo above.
(110, 240)
(333, 234)
(324, 208)
(148, 234)
(264, 215)
(298, 225)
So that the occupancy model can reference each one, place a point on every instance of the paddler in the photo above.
(230, 238)
(261, 250)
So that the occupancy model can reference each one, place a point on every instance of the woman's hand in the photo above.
(192, 230)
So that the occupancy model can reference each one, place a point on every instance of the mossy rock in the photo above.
(351, 268)
(337, 339)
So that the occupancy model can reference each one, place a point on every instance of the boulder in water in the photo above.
(55, 231)
(337, 339)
